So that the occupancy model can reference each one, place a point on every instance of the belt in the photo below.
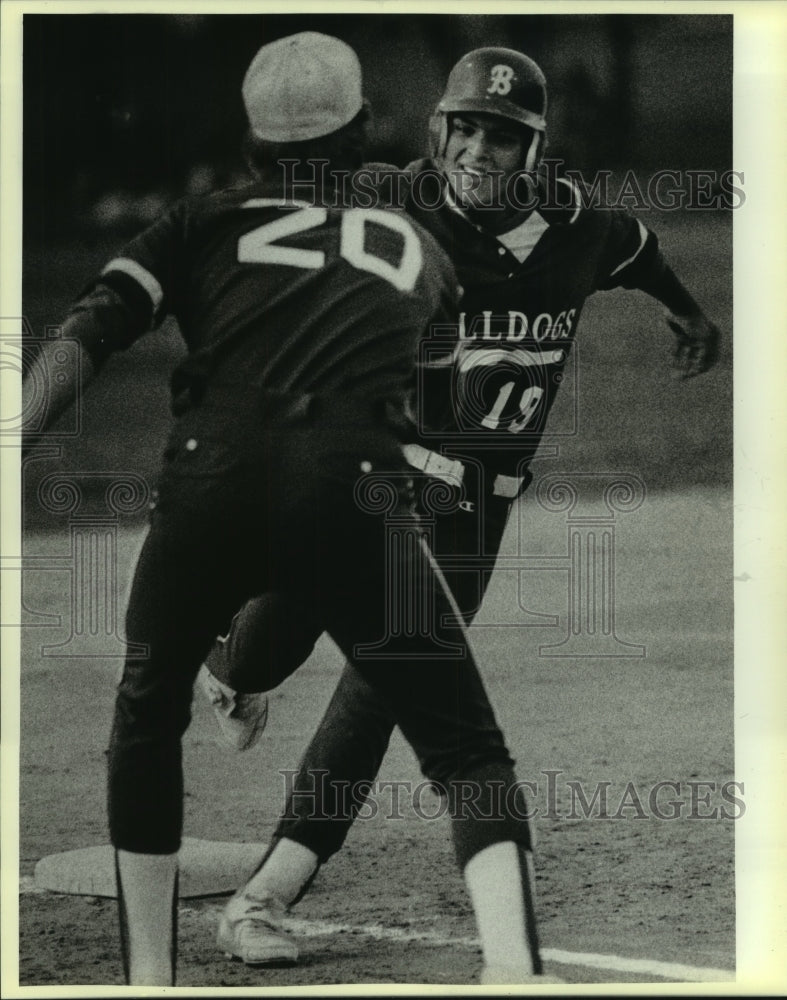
(452, 471)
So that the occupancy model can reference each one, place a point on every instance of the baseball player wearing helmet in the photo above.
(302, 322)
(527, 253)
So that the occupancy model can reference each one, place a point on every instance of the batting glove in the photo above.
(697, 348)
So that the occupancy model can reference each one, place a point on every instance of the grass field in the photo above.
(391, 907)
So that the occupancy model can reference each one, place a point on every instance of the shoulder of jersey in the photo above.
(427, 172)
(420, 171)
(382, 168)
(196, 206)
(391, 183)
(561, 200)
(383, 172)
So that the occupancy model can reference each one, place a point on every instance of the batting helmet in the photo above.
(495, 81)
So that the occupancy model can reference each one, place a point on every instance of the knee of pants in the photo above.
(446, 765)
(356, 702)
(269, 638)
(152, 704)
(324, 837)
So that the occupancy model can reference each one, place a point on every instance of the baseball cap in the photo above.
(302, 87)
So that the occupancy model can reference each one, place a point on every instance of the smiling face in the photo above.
(481, 153)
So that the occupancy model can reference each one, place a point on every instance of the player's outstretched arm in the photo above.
(102, 321)
(697, 347)
(60, 390)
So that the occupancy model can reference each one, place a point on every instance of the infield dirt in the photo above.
(640, 886)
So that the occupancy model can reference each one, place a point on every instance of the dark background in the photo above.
(152, 102)
(123, 113)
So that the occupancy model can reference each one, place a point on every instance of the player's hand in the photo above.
(697, 348)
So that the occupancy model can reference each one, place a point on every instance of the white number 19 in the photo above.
(527, 404)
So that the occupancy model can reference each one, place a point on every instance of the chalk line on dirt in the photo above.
(614, 963)
(401, 935)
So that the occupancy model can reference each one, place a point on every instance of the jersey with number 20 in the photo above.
(293, 296)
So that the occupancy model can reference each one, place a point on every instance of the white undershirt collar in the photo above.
(519, 241)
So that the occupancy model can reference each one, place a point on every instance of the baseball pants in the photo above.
(465, 529)
(287, 495)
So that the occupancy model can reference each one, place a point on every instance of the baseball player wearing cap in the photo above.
(527, 253)
(302, 322)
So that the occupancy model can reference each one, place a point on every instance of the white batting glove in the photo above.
(697, 348)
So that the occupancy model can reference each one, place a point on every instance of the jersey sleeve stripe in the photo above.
(141, 275)
(276, 203)
(643, 236)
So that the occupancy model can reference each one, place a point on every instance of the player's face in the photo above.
(482, 152)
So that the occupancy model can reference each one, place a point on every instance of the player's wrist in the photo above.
(692, 314)
(665, 286)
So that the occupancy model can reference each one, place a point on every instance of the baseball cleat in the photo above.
(250, 930)
(241, 717)
(511, 975)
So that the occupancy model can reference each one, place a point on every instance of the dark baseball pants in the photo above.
(278, 499)
(348, 747)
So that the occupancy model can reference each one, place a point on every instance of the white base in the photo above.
(207, 868)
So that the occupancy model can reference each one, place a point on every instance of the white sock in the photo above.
(147, 900)
(285, 873)
(497, 879)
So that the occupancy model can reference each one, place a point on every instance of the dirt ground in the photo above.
(650, 878)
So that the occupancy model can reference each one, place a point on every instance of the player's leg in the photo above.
(147, 892)
(475, 530)
(353, 736)
(341, 761)
(327, 793)
(178, 599)
(426, 673)
(439, 702)
(443, 710)
(349, 745)
(465, 539)
(498, 877)
(266, 641)
(270, 637)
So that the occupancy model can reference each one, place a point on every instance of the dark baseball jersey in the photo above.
(489, 380)
(299, 297)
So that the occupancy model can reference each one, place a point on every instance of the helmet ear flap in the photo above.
(438, 134)
(535, 150)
